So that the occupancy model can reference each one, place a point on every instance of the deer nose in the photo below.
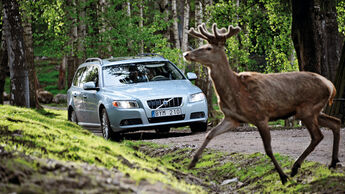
(185, 54)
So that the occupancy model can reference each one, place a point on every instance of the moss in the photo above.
(47, 134)
(254, 172)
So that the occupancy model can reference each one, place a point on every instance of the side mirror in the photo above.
(90, 86)
(191, 76)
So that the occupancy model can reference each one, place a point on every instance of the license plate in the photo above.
(167, 112)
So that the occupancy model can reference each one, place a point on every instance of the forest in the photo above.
(44, 41)
(276, 36)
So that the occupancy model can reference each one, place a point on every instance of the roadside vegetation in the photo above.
(41, 151)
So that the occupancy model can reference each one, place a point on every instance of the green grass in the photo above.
(47, 134)
(47, 73)
(254, 172)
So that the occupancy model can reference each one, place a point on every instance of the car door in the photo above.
(76, 95)
(91, 97)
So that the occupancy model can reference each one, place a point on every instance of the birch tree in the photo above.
(203, 82)
(175, 24)
(19, 75)
(29, 54)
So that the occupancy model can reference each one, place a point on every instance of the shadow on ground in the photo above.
(147, 135)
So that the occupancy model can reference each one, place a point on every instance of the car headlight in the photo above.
(125, 104)
(197, 97)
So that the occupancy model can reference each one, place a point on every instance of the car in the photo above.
(144, 92)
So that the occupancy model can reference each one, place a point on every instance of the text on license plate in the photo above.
(168, 112)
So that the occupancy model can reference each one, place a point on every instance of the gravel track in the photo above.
(291, 142)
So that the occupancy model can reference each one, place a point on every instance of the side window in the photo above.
(77, 77)
(90, 75)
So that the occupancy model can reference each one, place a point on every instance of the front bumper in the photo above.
(122, 120)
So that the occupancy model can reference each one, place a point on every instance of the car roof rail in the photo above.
(150, 54)
(94, 59)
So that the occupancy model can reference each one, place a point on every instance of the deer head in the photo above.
(213, 52)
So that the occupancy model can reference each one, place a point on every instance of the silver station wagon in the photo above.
(135, 93)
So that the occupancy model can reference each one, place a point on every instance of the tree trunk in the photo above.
(203, 82)
(20, 92)
(29, 52)
(62, 74)
(141, 24)
(3, 70)
(175, 24)
(3, 60)
(72, 60)
(315, 36)
(184, 45)
(163, 5)
(338, 107)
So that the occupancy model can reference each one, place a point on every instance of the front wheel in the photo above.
(198, 127)
(73, 117)
(107, 132)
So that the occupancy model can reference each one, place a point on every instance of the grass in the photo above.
(47, 73)
(253, 172)
(47, 134)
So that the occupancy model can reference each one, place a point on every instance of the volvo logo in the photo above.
(165, 103)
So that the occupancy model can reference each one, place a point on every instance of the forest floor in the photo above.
(40, 152)
(286, 141)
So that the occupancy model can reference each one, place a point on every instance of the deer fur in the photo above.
(257, 98)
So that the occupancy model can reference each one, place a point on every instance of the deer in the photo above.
(256, 98)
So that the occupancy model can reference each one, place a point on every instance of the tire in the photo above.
(163, 130)
(107, 132)
(73, 118)
(198, 127)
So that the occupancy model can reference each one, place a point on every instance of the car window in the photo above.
(140, 72)
(90, 74)
(77, 76)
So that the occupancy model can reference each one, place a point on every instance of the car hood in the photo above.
(152, 90)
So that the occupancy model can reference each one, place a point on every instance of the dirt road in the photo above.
(291, 142)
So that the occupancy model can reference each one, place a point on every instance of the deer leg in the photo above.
(224, 126)
(316, 137)
(334, 124)
(266, 138)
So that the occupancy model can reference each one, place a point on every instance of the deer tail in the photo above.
(330, 101)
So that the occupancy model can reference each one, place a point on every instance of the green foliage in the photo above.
(47, 134)
(109, 32)
(265, 43)
(341, 16)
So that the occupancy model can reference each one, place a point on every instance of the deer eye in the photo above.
(208, 48)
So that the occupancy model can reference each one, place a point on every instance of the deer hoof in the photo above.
(283, 178)
(192, 163)
(294, 169)
(333, 164)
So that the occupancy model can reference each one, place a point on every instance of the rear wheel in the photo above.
(107, 132)
(198, 127)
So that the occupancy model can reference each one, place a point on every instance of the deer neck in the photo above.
(225, 82)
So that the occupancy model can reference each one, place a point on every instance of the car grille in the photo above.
(153, 104)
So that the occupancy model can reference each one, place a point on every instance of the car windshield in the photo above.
(140, 72)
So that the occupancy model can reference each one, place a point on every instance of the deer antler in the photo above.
(218, 36)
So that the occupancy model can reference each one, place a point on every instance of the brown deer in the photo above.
(258, 98)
